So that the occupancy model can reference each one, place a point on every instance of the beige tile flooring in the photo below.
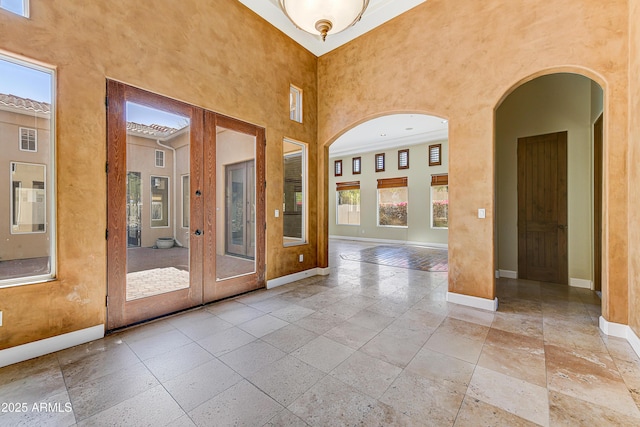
(367, 345)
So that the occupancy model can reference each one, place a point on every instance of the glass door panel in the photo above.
(236, 201)
(157, 246)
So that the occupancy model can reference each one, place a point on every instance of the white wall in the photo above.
(554, 103)
(419, 214)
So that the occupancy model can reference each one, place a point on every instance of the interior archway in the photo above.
(544, 105)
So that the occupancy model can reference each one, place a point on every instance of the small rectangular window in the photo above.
(295, 104)
(435, 155)
(159, 158)
(356, 165)
(440, 201)
(403, 159)
(337, 168)
(393, 202)
(28, 139)
(19, 7)
(380, 162)
(348, 203)
(159, 201)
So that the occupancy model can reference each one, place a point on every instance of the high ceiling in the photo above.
(378, 12)
(393, 131)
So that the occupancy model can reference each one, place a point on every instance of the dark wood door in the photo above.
(542, 208)
(598, 137)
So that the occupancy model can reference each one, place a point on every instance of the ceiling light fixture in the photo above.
(318, 17)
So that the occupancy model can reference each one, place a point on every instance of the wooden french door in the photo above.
(162, 180)
(542, 208)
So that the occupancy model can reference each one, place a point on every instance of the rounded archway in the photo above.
(548, 180)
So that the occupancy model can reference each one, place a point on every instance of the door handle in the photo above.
(198, 233)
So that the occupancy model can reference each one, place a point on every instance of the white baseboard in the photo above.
(476, 302)
(580, 283)
(621, 331)
(38, 348)
(283, 280)
(509, 274)
(388, 241)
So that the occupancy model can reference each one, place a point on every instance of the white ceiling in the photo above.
(399, 130)
(378, 12)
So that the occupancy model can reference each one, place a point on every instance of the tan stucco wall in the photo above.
(554, 103)
(215, 54)
(458, 59)
(418, 228)
(634, 167)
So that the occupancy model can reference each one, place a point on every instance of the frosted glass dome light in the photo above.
(319, 17)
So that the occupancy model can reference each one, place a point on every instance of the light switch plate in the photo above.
(277, 213)
(482, 213)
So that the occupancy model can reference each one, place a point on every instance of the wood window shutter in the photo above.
(403, 159)
(380, 162)
(393, 182)
(435, 155)
(440, 179)
(356, 165)
(337, 168)
(350, 185)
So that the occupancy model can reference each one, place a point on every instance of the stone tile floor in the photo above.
(368, 345)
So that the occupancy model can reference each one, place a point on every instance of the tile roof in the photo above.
(156, 131)
(24, 103)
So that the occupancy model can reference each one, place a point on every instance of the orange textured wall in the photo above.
(216, 54)
(458, 59)
(634, 167)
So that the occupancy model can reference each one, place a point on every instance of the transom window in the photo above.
(337, 168)
(295, 104)
(403, 159)
(28, 139)
(380, 162)
(356, 165)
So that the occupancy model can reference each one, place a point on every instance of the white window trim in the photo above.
(155, 158)
(378, 210)
(294, 241)
(25, 7)
(50, 186)
(35, 131)
(431, 207)
(297, 93)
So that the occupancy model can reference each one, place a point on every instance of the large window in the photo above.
(440, 201)
(294, 210)
(348, 203)
(27, 214)
(393, 202)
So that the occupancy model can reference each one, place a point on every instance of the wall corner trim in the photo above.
(471, 301)
(509, 274)
(621, 331)
(283, 280)
(580, 283)
(23, 352)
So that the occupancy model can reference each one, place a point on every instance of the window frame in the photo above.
(358, 161)
(337, 168)
(347, 186)
(50, 184)
(35, 139)
(435, 150)
(295, 103)
(168, 202)
(25, 9)
(163, 157)
(400, 163)
(304, 232)
(437, 181)
(379, 161)
(385, 184)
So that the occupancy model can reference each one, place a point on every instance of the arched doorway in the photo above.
(548, 157)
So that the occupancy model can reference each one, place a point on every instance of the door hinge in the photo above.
(106, 301)
(265, 184)
(106, 102)
(106, 234)
(265, 226)
(106, 167)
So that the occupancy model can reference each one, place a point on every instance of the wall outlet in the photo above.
(277, 213)
(300, 257)
(482, 213)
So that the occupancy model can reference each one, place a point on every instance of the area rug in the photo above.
(410, 257)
